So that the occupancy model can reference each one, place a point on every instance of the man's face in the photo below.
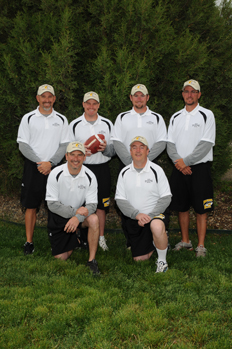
(46, 101)
(139, 152)
(75, 160)
(139, 100)
(91, 107)
(191, 96)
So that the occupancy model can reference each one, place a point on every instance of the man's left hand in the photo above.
(102, 146)
(44, 167)
(83, 211)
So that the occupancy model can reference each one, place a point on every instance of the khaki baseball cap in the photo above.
(91, 95)
(45, 88)
(139, 87)
(139, 139)
(75, 146)
(193, 83)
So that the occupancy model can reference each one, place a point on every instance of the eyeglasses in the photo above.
(193, 92)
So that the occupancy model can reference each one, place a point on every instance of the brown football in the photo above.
(93, 142)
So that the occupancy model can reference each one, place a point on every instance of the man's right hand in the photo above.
(180, 165)
(143, 219)
(71, 225)
(187, 171)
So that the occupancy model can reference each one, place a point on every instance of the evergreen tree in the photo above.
(108, 46)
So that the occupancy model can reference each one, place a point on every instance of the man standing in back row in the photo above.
(80, 129)
(191, 137)
(140, 120)
(42, 139)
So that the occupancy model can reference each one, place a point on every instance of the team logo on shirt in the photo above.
(81, 186)
(207, 203)
(148, 180)
(196, 125)
(55, 124)
(150, 122)
(101, 132)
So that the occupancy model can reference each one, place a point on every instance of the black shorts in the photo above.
(102, 173)
(33, 186)
(60, 240)
(140, 238)
(194, 190)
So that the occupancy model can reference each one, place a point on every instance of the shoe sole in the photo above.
(183, 248)
(160, 272)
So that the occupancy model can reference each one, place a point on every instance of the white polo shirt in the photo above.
(80, 130)
(69, 190)
(186, 130)
(42, 133)
(142, 189)
(131, 124)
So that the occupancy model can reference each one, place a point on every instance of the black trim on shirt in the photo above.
(60, 117)
(75, 125)
(124, 114)
(89, 178)
(125, 171)
(175, 117)
(58, 175)
(157, 116)
(155, 173)
(28, 120)
(108, 124)
(204, 115)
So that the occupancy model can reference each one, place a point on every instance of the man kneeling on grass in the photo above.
(69, 188)
(142, 195)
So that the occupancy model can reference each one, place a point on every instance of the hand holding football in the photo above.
(94, 142)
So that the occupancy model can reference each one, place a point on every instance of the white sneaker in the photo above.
(161, 267)
(200, 251)
(102, 243)
(185, 245)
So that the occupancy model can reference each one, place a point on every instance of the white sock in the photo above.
(162, 255)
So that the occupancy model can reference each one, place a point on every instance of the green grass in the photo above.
(47, 303)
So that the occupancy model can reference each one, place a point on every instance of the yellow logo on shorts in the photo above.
(160, 216)
(207, 203)
(106, 202)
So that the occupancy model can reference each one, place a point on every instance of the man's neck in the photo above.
(139, 165)
(190, 108)
(90, 118)
(45, 112)
(140, 111)
(74, 172)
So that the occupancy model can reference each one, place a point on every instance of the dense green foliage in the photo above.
(46, 303)
(108, 46)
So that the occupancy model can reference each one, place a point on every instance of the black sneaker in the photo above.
(81, 243)
(93, 266)
(28, 248)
